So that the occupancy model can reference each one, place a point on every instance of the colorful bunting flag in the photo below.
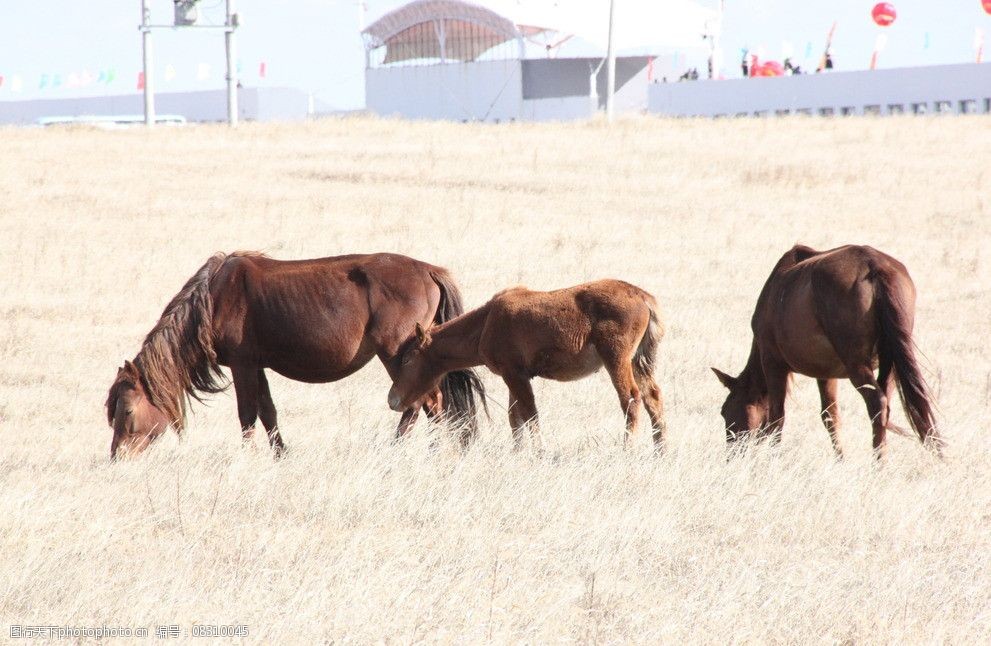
(43, 82)
(16, 84)
(1, 80)
(169, 73)
(262, 69)
(141, 80)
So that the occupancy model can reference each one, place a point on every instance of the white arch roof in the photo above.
(414, 30)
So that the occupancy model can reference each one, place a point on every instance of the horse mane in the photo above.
(177, 360)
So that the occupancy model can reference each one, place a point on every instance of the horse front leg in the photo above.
(777, 388)
(246, 393)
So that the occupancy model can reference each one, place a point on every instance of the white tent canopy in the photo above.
(459, 30)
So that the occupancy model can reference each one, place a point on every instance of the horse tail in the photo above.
(896, 356)
(459, 387)
(645, 357)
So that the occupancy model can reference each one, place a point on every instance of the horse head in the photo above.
(745, 411)
(135, 420)
(416, 376)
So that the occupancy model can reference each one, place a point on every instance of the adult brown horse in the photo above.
(309, 320)
(830, 315)
(564, 335)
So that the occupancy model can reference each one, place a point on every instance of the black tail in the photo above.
(459, 386)
(896, 354)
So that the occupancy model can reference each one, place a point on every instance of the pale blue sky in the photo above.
(314, 44)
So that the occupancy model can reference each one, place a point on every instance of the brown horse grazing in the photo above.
(830, 315)
(563, 335)
(309, 320)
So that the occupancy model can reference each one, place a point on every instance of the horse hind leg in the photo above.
(407, 422)
(269, 416)
(621, 373)
(862, 377)
(653, 402)
(433, 406)
(830, 412)
(522, 409)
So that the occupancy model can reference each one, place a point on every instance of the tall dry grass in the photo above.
(354, 539)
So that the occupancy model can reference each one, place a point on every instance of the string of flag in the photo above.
(56, 81)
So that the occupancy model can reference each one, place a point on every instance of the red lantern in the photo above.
(987, 6)
(770, 68)
(884, 13)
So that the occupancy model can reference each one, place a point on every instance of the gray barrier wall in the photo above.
(531, 89)
(262, 104)
(481, 91)
(957, 89)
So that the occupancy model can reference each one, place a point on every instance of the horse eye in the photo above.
(406, 359)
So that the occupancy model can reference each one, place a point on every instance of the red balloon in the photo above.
(884, 13)
(987, 6)
(771, 68)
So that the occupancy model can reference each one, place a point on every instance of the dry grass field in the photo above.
(354, 539)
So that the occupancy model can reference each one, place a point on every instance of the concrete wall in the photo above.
(538, 89)
(566, 108)
(570, 77)
(209, 105)
(480, 91)
(943, 88)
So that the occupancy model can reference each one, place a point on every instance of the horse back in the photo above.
(319, 319)
(817, 311)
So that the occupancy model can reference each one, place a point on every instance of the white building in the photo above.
(506, 61)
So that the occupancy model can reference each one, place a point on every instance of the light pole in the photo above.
(610, 64)
(231, 45)
(146, 63)
(186, 16)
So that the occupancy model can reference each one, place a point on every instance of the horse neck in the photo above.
(164, 388)
(454, 345)
(753, 373)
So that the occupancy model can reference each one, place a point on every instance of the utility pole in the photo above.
(186, 15)
(146, 67)
(231, 44)
(610, 64)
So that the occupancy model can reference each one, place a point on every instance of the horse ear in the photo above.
(724, 378)
(128, 366)
(422, 336)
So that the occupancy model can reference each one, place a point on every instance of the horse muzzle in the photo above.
(395, 401)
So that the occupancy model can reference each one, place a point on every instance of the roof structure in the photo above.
(461, 30)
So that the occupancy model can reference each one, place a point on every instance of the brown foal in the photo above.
(564, 335)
